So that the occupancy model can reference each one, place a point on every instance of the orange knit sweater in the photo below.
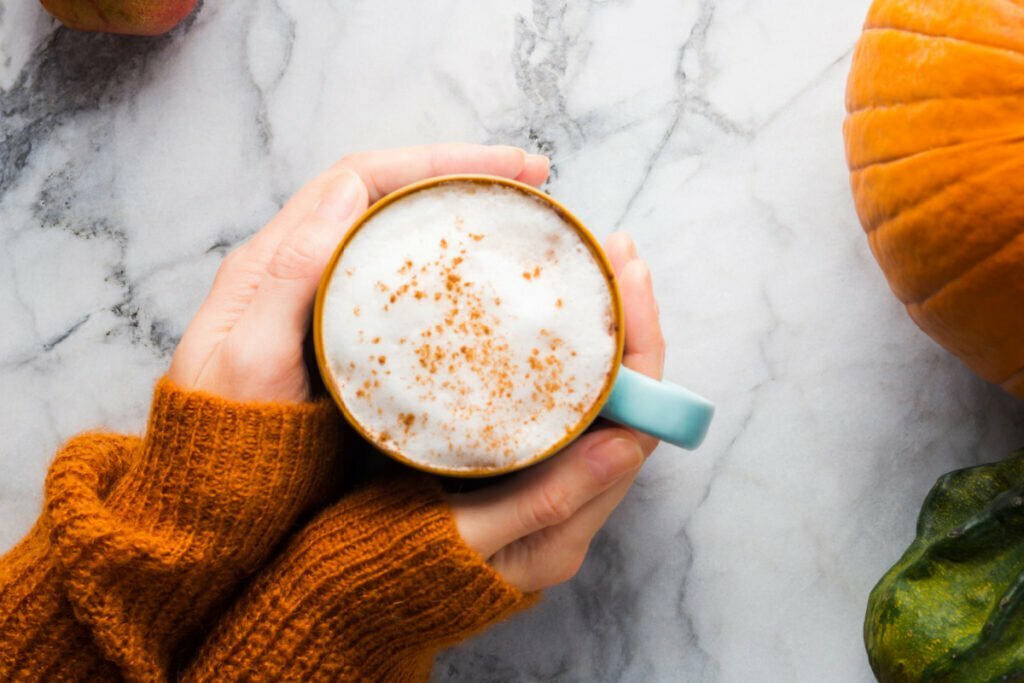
(181, 556)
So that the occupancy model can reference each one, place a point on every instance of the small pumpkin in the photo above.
(952, 608)
(130, 17)
(935, 145)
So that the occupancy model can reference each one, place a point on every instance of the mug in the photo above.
(662, 409)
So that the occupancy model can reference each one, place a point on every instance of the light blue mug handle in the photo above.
(661, 409)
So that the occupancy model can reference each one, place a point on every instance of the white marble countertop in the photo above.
(710, 129)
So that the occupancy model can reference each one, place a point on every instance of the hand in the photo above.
(535, 528)
(245, 343)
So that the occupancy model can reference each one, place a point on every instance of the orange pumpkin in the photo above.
(935, 144)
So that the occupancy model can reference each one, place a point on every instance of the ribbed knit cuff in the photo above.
(235, 470)
(150, 545)
(370, 590)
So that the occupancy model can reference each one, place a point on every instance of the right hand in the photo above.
(535, 528)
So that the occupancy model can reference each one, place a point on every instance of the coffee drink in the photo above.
(468, 326)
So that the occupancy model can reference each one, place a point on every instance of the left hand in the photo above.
(245, 343)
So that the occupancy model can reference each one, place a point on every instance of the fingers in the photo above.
(645, 345)
(262, 245)
(383, 172)
(537, 527)
(242, 270)
(297, 244)
(388, 170)
(423, 162)
(535, 170)
(276, 272)
(282, 305)
(555, 554)
(620, 250)
(548, 495)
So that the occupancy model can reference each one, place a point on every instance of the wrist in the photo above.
(152, 534)
(380, 582)
(215, 470)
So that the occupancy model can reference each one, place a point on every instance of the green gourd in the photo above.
(952, 608)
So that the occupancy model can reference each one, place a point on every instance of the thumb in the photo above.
(547, 495)
(283, 301)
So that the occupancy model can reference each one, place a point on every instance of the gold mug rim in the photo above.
(596, 251)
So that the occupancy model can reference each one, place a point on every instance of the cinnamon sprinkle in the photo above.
(460, 354)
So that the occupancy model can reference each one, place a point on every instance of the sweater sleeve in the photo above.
(370, 590)
(141, 540)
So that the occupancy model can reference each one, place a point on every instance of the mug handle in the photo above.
(661, 409)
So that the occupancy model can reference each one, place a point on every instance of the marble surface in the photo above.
(710, 129)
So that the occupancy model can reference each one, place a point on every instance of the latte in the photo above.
(468, 326)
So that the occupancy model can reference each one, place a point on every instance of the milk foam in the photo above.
(468, 326)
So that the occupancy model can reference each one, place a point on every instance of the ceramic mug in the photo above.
(662, 409)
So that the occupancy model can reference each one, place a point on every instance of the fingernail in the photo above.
(539, 158)
(342, 197)
(637, 271)
(613, 459)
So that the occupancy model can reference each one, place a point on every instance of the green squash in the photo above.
(952, 608)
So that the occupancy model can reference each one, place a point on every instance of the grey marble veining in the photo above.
(709, 129)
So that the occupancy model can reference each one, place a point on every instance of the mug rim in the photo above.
(596, 252)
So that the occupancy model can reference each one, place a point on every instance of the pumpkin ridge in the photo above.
(936, 193)
(934, 142)
(99, 12)
(980, 142)
(998, 250)
(1013, 377)
(926, 100)
(938, 36)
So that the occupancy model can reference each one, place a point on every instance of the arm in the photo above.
(140, 540)
(371, 589)
(381, 581)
